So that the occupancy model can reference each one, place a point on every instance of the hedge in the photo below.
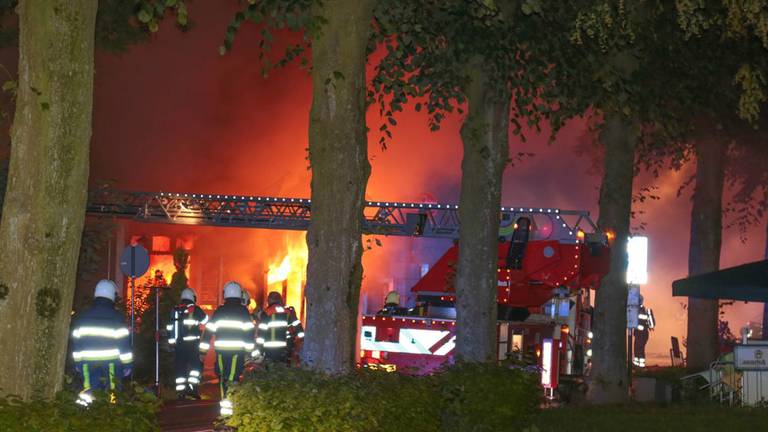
(133, 412)
(462, 398)
(649, 417)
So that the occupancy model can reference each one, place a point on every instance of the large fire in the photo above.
(287, 274)
(164, 264)
(160, 273)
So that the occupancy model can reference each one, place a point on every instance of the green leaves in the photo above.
(431, 48)
(753, 92)
(144, 16)
(151, 12)
(134, 411)
(531, 7)
(295, 15)
(454, 400)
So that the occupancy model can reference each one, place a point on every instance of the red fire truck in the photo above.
(545, 276)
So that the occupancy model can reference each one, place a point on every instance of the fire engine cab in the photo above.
(546, 271)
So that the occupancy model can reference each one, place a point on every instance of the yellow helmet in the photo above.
(392, 298)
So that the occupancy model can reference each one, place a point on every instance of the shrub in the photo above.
(132, 412)
(650, 417)
(481, 397)
(286, 399)
(401, 402)
(464, 398)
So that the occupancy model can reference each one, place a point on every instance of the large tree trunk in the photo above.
(704, 248)
(609, 361)
(485, 135)
(339, 157)
(44, 206)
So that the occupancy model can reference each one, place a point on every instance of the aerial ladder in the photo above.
(549, 260)
(387, 218)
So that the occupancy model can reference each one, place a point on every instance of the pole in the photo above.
(157, 340)
(633, 309)
(133, 315)
(133, 308)
(109, 258)
(629, 360)
(133, 293)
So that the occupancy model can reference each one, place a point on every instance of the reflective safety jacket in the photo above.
(231, 328)
(99, 333)
(645, 319)
(184, 327)
(278, 326)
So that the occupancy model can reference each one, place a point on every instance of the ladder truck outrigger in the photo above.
(549, 260)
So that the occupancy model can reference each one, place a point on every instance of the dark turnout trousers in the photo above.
(187, 367)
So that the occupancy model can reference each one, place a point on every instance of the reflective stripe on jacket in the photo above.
(278, 324)
(184, 326)
(99, 333)
(230, 327)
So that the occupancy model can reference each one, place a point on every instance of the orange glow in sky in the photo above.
(213, 124)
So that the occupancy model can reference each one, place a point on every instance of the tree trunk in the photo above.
(704, 248)
(338, 152)
(44, 206)
(609, 361)
(485, 135)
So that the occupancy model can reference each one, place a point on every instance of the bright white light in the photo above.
(546, 362)
(637, 253)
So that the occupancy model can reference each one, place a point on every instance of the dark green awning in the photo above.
(748, 282)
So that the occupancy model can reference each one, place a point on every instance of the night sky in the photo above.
(173, 115)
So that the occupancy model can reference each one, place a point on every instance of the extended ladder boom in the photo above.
(380, 218)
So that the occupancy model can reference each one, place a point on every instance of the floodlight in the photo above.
(546, 363)
(637, 266)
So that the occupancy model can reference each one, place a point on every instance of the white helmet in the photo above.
(106, 289)
(189, 294)
(232, 289)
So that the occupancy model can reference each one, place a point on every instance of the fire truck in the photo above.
(547, 270)
(549, 261)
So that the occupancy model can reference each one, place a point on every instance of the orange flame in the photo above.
(279, 273)
(287, 274)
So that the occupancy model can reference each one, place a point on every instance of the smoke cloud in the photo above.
(174, 115)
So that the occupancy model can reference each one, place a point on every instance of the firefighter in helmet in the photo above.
(184, 336)
(391, 305)
(645, 324)
(279, 331)
(232, 331)
(101, 347)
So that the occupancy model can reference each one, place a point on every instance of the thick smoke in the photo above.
(174, 115)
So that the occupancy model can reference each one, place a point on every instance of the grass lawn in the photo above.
(652, 418)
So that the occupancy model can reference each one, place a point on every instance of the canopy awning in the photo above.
(748, 282)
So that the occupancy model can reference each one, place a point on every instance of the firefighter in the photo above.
(101, 346)
(517, 244)
(279, 331)
(246, 299)
(391, 304)
(232, 331)
(184, 337)
(645, 324)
